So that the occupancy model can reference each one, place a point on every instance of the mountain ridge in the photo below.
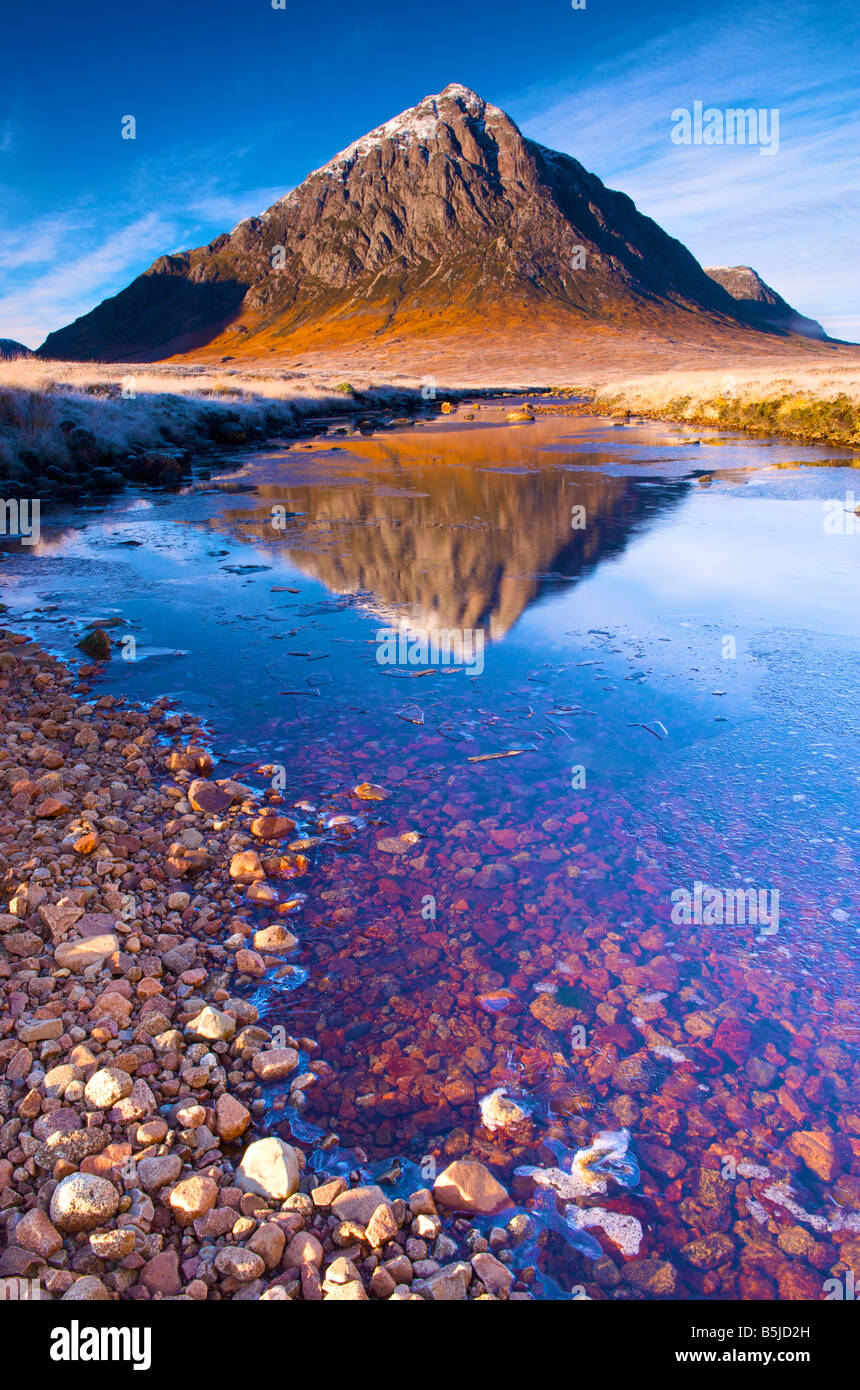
(11, 350)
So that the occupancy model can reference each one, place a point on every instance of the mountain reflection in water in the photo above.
(462, 531)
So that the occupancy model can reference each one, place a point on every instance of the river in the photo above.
(659, 628)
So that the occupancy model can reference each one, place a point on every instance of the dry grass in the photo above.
(817, 404)
(126, 408)
(245, 386)
(44, 406)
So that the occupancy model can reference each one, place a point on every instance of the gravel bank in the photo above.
(133, 1159)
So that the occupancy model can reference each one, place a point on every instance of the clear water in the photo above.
(679, 681)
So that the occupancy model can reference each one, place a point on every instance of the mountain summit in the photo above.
(443, 219)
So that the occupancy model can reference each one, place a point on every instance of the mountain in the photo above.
(443, 220)
(764, 305)
(9, 350)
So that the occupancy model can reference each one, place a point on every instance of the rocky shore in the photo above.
(134, 1162)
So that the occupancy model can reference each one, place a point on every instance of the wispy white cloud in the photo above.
(37, 244)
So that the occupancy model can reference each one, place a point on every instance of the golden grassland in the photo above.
(813, 404)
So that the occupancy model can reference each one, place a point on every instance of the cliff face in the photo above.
(443, 217)
(763, 305)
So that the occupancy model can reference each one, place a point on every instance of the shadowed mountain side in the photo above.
(12, 351)
(461, 545)
(160, 313)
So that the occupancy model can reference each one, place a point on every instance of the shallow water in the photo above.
(678, 679)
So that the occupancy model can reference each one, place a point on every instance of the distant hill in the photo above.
(10, 349)
(765, 306)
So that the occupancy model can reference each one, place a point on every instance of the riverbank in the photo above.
(69, 430)
(134, 1157)
(812, 405)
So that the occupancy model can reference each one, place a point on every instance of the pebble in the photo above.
(81, 1202)
(134, 1071)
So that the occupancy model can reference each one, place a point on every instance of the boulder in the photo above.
(495, 1277)
(233, 1262)
(88, 1289)
(96, 645)
(447, 1285)
(211, 1025)
(208, 798)
(37, 1233)
(359, 1204)
(817, 1150)
(107, 1086)
(77, 954)
(470, 1187)
(231, 1118)
(276, 1063)
(83, 1201)
(269, 1169)
(245, 867)
(192, 1198)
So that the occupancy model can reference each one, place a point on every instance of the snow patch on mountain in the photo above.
(413, 126)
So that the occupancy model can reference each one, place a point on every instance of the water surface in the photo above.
(670, 636)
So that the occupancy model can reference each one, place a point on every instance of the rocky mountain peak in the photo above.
(742, 282)
(419, 123)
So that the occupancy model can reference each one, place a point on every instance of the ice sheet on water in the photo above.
(545, 1214)
(589, 1169)
(623, 1230)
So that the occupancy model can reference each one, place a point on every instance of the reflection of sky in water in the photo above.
(417, 522)
(729, 558)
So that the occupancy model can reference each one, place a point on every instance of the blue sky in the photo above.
(236, 101)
